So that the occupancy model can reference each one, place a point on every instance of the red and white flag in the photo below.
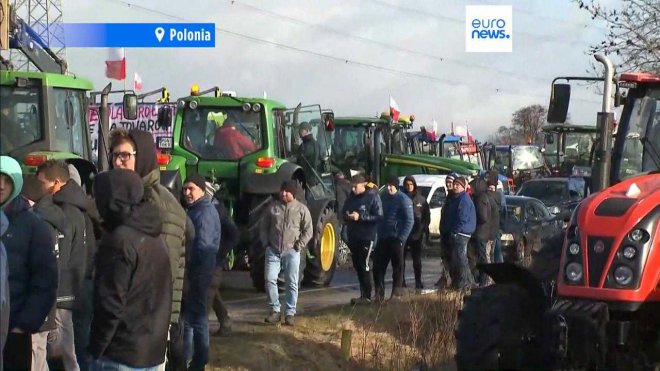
(115, 65)
(137, 82)
(394, 110)
(464, 131)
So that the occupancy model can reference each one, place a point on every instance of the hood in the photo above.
(479, 187)
(12, 169)
(4, 223)
(410, 178)
(145, 159)
(52, 213)
(119, 201)
(71, 193)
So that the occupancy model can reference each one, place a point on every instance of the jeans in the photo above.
(359, 251)
(416, 253)
(105, 364)
(196, 327)
(389, 249)
(497, 250)
(289, 261)
(17, 354)
(461, 276)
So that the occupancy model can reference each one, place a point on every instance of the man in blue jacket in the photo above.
(393, 231)
(32, 267)
(362, 211)
(200, 264)
(460, 223)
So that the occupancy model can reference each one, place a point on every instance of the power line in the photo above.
(325, 56)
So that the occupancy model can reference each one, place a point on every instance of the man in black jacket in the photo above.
(309, 156)
(482, 238)
(133, 283)
(362, 211)
(422, 215)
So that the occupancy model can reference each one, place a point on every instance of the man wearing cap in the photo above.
(309, 154)
(285, 231)
(361, 213)
(393, 231)
(460, 222)
(445, 240)
(200, 264)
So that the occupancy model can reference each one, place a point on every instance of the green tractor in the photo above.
(245, 148)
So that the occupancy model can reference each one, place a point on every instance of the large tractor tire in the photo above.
(256, 251)
(493, 330)
(321, 266)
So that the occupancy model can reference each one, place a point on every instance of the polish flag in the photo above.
(115, 65)
(464, 131)
(137, 82)
(394, 110)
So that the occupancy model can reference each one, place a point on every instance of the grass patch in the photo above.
(416, 332)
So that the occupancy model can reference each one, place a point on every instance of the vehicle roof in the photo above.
(519, 200)
(354, 120)
(427, 180)
(48, 79)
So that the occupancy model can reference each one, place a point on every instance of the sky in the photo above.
(350, 56)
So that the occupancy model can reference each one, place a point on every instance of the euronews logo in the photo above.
(488, 29)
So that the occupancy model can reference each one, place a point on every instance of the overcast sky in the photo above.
(341, 54)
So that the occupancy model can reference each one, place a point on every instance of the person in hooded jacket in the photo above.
(134, 150)
(459, 222)
(32, 267)
(422, 215)
(445, 236)
(4, 287)
(500, 201)
(482, 237)
(132, 283)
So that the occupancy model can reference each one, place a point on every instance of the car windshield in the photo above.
(514, 212)
(644, 125)
(222, 133)
(527, 157)
(551, 192)
(20, 117)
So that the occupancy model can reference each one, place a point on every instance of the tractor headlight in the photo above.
(256, 107)
(636, 235)
(629, 252)
(574, 272)
(192, 104)
(623, 275)
(247, 107)
(573, 248)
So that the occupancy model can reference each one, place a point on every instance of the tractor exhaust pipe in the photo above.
(600, 178)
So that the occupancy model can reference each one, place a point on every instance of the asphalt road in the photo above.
(245, 304)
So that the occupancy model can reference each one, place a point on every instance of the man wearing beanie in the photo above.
(285, 231)
(445, 248)
(393, 231)
(200, 264)
(460, 222)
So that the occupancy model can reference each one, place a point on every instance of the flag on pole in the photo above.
(435, 127)
(115, 65)
(394, 110)
(137, 82)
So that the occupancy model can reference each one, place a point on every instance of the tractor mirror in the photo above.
(130, 104)
(559, 99)
(165, 117)
(549, 138)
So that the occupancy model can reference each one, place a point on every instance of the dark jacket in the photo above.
(62, 231)
(32, 266)
(309, 157)
(398, 216)
(206, 220)
(229, 235)
(73, 201)
(494, 221)
(342, 192)
(172, 213)
(460, 216)
(483, 209)
(445, 223)
(421, 212)
(132, 284)
(369, 207)
(502, 204)
(4, 287)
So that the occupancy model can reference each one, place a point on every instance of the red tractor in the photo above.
(591, 299)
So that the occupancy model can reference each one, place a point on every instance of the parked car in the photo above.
(528, 222)
(560, 195)
(432, 187)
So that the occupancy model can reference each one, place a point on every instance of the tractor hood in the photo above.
(441, 164)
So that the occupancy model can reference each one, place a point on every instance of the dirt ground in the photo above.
(416, 332)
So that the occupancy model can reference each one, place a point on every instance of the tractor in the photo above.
(591, 298)
(246, 148)
(568, 149)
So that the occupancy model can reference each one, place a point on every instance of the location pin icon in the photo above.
(160, 32)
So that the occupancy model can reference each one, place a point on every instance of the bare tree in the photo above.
(527, 122)
(633, 33)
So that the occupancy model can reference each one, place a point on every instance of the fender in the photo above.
(510, 273)
(316, 207)
(270, 183)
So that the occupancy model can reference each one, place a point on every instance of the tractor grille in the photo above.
(598, 252)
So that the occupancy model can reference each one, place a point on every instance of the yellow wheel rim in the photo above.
(327, 247)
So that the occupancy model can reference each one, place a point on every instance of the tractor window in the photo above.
(578, 148)
(527, 157)
(222, 133)
(69, 122)
(644, 124)
(20, 117)
(348, 149)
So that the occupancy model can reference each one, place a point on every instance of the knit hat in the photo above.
(451, 176)
(492, 178)
(197, 180)
(290, 186)
(461, 181)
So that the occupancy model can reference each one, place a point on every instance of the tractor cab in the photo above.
(567, 149)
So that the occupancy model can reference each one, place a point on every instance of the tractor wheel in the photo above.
(321, 267)
(258, 209)
(546, 260)
(493, 330)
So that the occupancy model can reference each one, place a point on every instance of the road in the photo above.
(245, 304)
